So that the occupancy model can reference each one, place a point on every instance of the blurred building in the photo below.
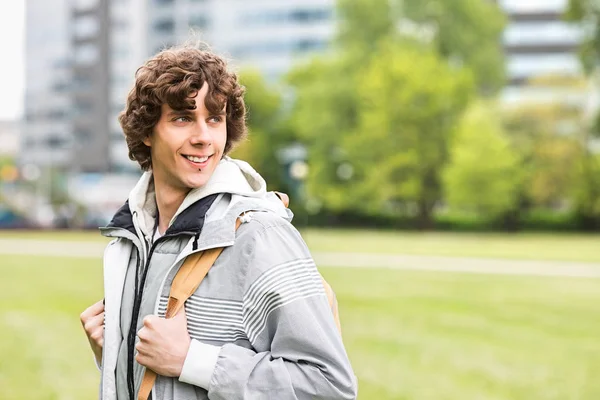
(270, 34)
(82, 55)
(89, 25)
(539, 43)
(9, 138)
(47, 135)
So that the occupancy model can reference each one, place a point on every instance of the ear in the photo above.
(147, 141)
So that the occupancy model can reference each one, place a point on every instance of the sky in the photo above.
(12, 61)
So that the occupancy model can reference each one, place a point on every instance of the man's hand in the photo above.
(92, 320)
(284, 198)
(163, 344)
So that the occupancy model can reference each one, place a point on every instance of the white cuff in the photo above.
(199, 364)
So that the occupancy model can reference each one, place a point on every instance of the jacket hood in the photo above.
(231, 176)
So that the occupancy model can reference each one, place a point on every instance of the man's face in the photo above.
(186, 146)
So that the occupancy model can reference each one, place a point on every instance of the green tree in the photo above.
(586, 14)
(465, 32)
(389, 125)
(483, 176)
(548, 154)
(363, 23)
(376, 114)
(550, 138)
(587, 191)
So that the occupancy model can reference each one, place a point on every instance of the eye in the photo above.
(215, 119)
(181, 119)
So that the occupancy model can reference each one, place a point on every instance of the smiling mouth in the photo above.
(198, 160)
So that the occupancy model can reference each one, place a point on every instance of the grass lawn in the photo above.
(525, 246)
(410, 335)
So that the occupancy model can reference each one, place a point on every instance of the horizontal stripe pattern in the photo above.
(211, 320)
(277, 287)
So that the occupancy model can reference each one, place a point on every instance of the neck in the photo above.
(168, 200)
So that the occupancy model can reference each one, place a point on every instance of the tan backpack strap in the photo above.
(147, 384)
(186, 281)
(332, 303)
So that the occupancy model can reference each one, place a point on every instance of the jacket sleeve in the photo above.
(297, 349)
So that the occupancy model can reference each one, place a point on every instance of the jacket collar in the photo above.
(234, 187)
(190, 220)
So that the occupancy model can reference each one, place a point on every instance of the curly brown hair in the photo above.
(173, 77)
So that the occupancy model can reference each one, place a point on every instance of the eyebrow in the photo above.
(177, 113)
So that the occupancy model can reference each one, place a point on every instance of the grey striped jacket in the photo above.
(260, 322)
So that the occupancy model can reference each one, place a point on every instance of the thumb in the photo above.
(284, 198)
(180, 316)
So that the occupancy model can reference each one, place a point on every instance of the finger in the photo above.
(94, 322)
(150, 321)
(140, 359)
(284, 198)
(143, 334)
(92, 310)
(97, 337)
(97, 307)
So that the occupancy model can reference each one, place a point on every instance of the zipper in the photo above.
(140, 282)
(139, 291)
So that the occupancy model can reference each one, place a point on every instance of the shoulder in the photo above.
(257, 225)
(270, 245)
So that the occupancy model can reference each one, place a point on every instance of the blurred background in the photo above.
(442, 159)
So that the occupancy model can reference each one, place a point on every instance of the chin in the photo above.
(196, 183)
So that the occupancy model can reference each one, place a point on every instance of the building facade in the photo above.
(539, 43)
(47, 135)
(82, 56)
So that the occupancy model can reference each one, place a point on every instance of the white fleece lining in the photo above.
(230, 176)
(199, 364)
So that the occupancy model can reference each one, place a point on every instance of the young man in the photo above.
(259, 326)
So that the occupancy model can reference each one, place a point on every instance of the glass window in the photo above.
(82, 81)
(300, 16)
(56, 115)
(305, 45)
(61, 63)
(279, 47)
(60, 87)
(520, 66)
(55, 141)
(83, 135)
(542, 33)
(304, 16)
(532, 6)
(163, 2)
(85, 27)
(82, 5)
(83, 107)
(198, 21)
(120, 24)
(86, 54)
(166, 26)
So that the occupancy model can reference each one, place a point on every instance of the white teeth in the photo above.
(197, 159)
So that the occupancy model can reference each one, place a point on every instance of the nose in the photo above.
(201, 135)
